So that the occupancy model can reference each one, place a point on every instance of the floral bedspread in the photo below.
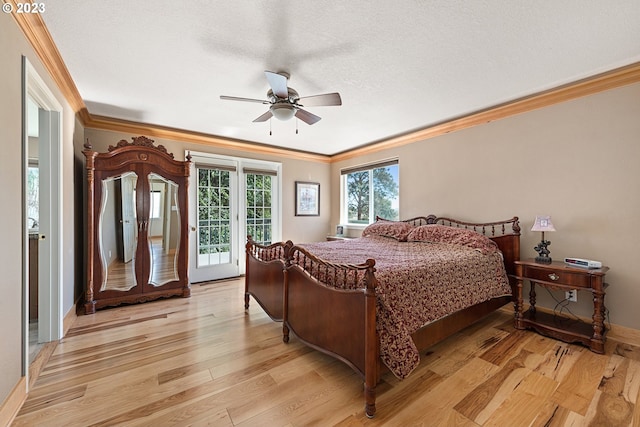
(418, 283)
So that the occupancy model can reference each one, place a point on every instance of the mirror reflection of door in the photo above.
(164, 230)
(128, 219)
(117, 226)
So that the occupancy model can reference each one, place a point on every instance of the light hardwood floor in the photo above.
(205, 361)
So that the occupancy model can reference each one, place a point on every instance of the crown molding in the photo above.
(38, 35)
(40, 39)
(609, 80)
(119, 125)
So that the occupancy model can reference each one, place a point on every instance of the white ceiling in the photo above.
(398, 65)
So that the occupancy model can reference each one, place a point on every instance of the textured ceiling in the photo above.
(398, 65)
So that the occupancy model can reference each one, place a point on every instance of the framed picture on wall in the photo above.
(307, 198)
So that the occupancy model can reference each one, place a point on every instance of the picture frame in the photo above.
(307, 198)
(339, 230)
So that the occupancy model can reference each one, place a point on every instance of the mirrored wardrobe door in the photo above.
(118, 233)
(163, 230)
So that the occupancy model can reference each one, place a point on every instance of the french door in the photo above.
(230, 198)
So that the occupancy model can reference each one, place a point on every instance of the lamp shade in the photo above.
(543, 223)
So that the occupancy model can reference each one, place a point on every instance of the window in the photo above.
(370, 191)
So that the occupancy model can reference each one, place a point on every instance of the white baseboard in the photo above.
(12, 404)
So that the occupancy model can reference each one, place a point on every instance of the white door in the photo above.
(44, 223)
(214, 248)
(49, 328)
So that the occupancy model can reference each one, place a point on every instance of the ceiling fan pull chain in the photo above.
(297, 126)
(270, 128)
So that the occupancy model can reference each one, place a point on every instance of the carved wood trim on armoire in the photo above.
(137, 224)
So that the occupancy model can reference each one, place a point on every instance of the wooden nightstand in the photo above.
(558, 275)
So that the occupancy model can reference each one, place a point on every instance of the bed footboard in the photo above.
(264, 279)
(332, 308)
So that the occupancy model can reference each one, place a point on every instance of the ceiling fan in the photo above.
(285, 103)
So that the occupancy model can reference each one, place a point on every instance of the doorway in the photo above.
(229, 198)
(42, 294)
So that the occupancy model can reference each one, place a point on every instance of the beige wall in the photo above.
(577, 161)
(13, 46)
(295, 228)
(10, 196)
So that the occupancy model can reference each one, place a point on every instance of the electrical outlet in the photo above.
(571, 295)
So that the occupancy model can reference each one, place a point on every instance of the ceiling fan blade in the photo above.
(278, 84)
(263, 118)
(320, 100)
(307, 117)
(235, 98)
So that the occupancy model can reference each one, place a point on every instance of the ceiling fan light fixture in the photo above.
(284, 103)
(283, 111)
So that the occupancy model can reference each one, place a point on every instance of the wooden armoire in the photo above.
(137, 231)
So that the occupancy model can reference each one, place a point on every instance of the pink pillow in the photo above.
(435, 233)
(395, 229)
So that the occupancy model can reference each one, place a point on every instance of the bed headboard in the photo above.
(415, 221)
(505, 233)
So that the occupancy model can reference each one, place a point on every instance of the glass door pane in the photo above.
(214, 217)
(215, 246)
(259, 208)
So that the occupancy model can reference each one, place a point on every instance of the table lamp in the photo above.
(543, 223)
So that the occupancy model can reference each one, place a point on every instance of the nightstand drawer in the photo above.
(559, 276)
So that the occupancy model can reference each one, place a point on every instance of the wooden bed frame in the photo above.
(342, 323)
(264, 277)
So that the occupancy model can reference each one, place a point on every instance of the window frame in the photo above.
(344, 203)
